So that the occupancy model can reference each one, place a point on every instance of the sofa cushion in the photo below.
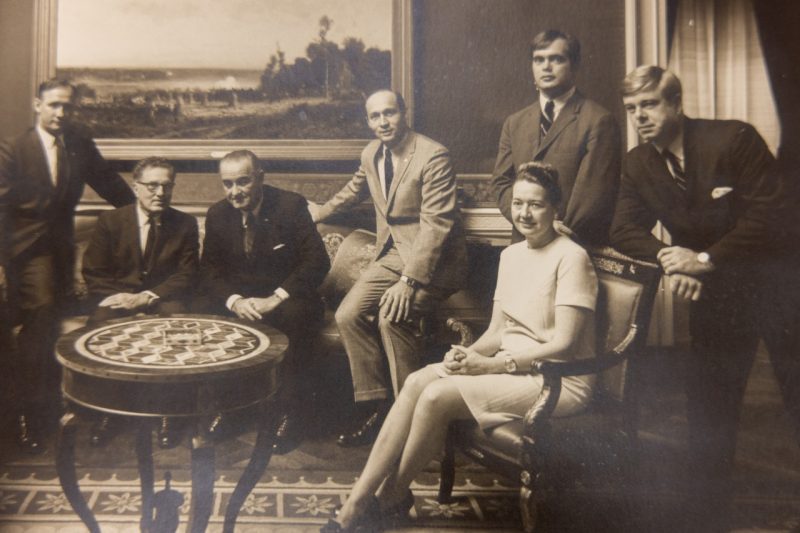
(352, 256)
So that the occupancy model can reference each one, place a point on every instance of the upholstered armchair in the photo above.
(545, 453)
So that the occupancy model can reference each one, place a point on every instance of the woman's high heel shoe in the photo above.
(368, 522)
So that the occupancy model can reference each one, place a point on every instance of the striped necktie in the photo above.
(547, 117)
(675, 169)
(388, 168)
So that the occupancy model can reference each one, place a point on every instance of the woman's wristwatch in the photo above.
(510, 364)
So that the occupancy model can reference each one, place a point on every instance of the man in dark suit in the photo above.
(263, 260)
(42, 174)
(421, 256)
(142, 258)
(713, 185)
(568, 131)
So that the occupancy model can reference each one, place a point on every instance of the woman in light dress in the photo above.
(543, 307)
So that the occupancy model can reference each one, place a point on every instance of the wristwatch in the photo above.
(411, 282)
(510, 364)
(703, 258)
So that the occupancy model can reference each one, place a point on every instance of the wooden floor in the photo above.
(767, 467)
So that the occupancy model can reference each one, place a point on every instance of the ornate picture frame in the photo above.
(45, 59)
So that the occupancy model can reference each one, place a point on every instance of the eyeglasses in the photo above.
(152, 187)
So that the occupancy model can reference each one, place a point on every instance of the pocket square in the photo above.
(277, 247)
(719, 192)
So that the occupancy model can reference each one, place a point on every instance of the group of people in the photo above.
(561, 180)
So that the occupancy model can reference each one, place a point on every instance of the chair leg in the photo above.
(447, 474)
(527, 508)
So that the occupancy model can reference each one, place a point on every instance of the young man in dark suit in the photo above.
(142, 258)
(263, 260)
(713, 184)
(568, 131)
(42, 175)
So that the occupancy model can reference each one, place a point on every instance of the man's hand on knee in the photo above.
(395, 304)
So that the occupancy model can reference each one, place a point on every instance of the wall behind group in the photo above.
(16, 66)
(472, 66)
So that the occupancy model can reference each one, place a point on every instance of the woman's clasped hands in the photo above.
(466, 361)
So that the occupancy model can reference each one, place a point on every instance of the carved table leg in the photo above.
(202, 484)
(65, 466)
(259, 459)
(144, 457)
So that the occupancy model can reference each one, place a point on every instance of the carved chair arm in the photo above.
(553, 371)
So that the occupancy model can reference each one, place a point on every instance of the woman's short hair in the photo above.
(650, 78)
(543, 175)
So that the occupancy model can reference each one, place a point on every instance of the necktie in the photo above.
(62, 163)
(547, 117)
(675, 169)
(388, 168)
(249, 234)
(153, 231)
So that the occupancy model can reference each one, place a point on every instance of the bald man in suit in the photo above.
(421, 256)
(568, 131)
(42, 175)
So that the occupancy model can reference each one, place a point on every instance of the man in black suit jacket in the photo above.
(42, 174)
(714, 186)
(263, 260)
(568, 131)
(142, 258)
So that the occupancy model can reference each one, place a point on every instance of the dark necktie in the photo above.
(547, 117)
(388, 168)
(62, 163)
(675, 169)
(150, 248)
(249, 233)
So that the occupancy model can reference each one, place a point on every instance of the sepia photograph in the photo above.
(399, 265)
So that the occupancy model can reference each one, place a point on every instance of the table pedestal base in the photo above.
(203, 474)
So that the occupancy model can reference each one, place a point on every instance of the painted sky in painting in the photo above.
(209, 33)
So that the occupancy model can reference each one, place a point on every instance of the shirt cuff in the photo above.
(153, 296)
(281, 293)
(232, 299)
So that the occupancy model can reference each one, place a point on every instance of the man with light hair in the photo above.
(713, 184)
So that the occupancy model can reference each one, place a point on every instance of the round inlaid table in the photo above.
(177, 366)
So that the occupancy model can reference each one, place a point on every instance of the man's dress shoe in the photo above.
(366, 433)
(288, 435)
(28, 436)
(102, 432)
(168, 434)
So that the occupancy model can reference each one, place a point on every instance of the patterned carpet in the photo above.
(301, 488)
(33, 501)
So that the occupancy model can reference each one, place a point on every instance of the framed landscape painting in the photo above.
(192, 79)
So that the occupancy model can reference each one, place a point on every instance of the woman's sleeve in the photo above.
(502, 276)
(577, 281)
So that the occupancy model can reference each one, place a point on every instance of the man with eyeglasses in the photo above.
(42, 175)
(142, 258)
(263, 260)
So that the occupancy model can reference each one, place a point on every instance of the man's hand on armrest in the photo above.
(686, 286)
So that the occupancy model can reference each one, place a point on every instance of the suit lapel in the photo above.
(567, 115)
(402, 158)
(664, 183)
(532, 127)
(374, 177)
(40, 170)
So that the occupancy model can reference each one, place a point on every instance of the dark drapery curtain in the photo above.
(778, 23)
